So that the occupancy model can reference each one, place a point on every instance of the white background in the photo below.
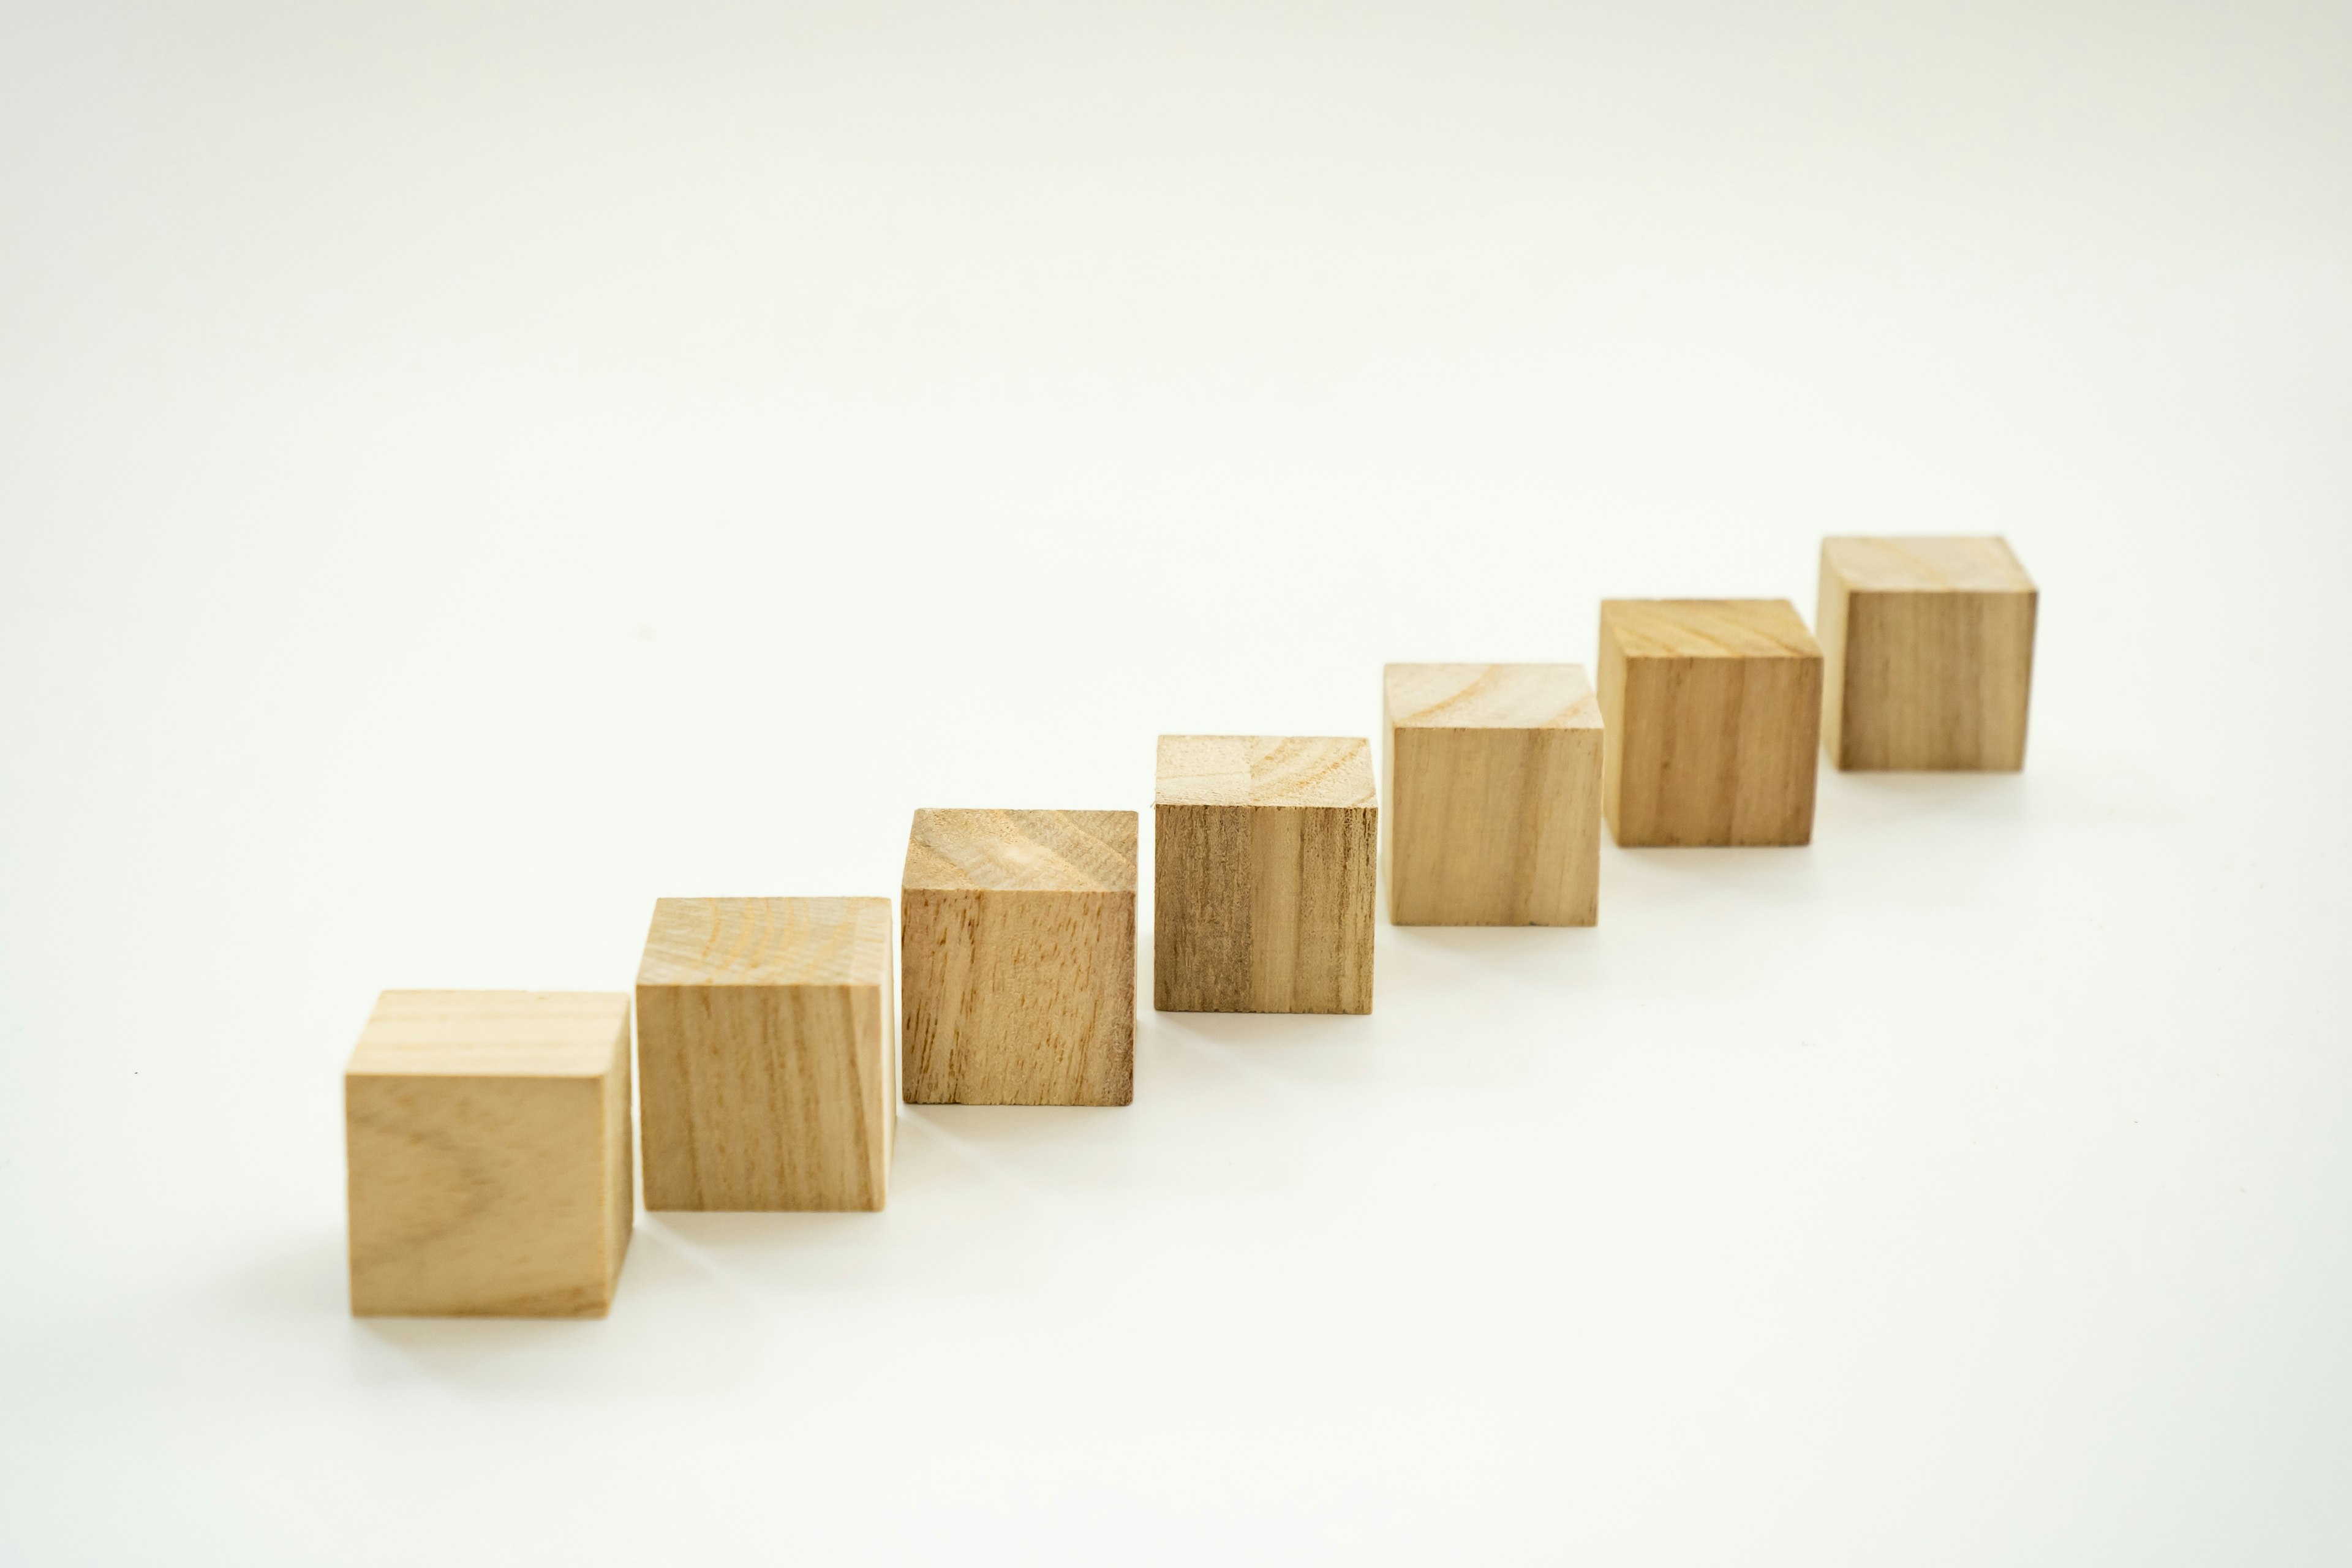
(468, 470)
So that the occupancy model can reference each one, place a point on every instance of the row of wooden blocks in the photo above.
(491, 1132)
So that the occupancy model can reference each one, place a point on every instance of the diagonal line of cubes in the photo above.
(489, 1148)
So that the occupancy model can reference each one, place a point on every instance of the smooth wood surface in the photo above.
(764, 1051)
(1493, 794)
(1019, 944)
(1712, 711)
(1266, 865)
(1929, 645)
(488, 1142)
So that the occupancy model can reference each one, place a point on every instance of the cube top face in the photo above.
(1490, 697)
(767, 941)
(491, 1034)
(1707, 628)
(1926, 565)
(1021, 852)
(1264, 770)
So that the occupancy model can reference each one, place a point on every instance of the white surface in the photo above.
(467, 471)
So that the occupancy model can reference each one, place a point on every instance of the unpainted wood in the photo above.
(1266, 869)
(1493, 794)
(486, 1136)
(1929, 648)
(1019, 947)
(764, 1047)
(1711, 712)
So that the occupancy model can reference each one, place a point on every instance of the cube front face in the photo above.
(1712, 714)
(487, 1139)
(1493, 783)
(1266, 865)
(1929, 647)
(1019, 948)
(763, 1045)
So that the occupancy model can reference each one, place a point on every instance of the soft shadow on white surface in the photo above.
(681, 1324)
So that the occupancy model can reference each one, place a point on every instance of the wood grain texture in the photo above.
(763, 1045)
(1266, 865)
(487, 1139)
(1019, 944)
(1493, 794)
(1929, 649)
(1711, 711)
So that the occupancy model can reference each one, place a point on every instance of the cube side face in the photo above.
(479, 1196)
(1017, 998)
(1936, 682)
(1388, 781)
(1830, 610)
(1777, 764)
(1495, 827)
(1668, 784)
(1716, 751)
(1201, 909)
(1612, 691)
(763, 1097)
(620, 1159)
(893, 1068)
(1314, 874)
(1265, 908)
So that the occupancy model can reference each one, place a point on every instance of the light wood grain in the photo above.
(763, 1043)
(487, 1142)
(1266, 865)
(1929, 649)
(1493, 794)
(1711, 711)
(1019, 942)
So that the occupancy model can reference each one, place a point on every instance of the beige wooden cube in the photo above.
(1929, 647)
(487, 1139)
(1493, 794)
(1266, 865)
(1712, 715)
(1019, 944)
(763, 1042)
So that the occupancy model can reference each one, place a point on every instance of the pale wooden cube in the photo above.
(1929, 647)
(1266, 865)
(1493, 787)
(1712, 712)
(763, 1042)
(1019, 944)
(487, 1138)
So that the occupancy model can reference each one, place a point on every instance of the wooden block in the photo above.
(1493, 785)
(1929, 645)
(1712, 710)
(1265, 870)
(1019, 936)
(488, 1135)
(763, 1042)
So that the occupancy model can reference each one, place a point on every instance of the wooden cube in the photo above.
(1265, 870)
(763, 1045)
(1930, 645)
(1019, 937)
(1712, 714)
(1494, 785)
(488, 1135)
